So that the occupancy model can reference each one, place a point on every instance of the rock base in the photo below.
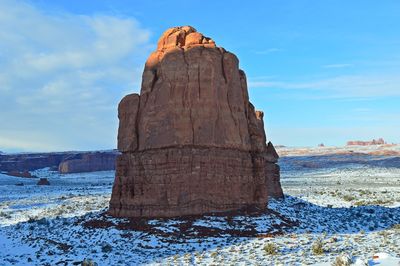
(186, 180)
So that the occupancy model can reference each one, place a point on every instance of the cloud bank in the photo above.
(62, 75)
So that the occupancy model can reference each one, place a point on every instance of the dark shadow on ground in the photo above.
(312, 162)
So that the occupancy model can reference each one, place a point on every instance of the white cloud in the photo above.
(346, 86)
(64, 67)
(337, 66)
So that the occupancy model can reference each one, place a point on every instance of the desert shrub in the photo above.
(342, 260)
(396, 227)
(360, 203)
(42, 221)
(5, 215)
(380, 202)
(187, 256)
(31, 219)
(348, 198)
(333, 239)
(270, 249)
(317, 247)
(371, 227)
(106, 248)
(370, 211)
(88, 262)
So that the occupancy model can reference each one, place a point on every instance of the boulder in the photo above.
(191, 142)
(43, 182)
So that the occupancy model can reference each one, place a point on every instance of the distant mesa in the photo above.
(88, 162)
(379, 141)
(65, 162)
(191, 142)
(280, 146)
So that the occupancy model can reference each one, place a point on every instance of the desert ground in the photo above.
(339, 203)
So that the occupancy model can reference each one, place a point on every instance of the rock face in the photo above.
(29, 161)
(192, 142)
(88, 162)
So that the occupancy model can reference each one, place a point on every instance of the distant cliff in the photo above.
(379, 141)
(65, 162)
(88, 162)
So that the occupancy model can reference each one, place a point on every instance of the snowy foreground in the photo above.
(348, 209)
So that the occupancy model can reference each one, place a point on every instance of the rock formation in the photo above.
(379, 141)
(65, 162)
(29, 161)
(88, 162)
(191, 143)
(43, 182)
(24, 174)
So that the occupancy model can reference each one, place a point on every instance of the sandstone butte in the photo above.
(191, 142)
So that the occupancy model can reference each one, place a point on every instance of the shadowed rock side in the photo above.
(192, 142)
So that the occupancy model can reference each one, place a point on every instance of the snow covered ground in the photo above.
(334, 205)
(384, 149)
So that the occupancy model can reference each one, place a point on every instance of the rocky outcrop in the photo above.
(272, 172)
(88, 162)
(24, 174)
(379, 141)
(192, 142)
(66, 162)
(43, 182)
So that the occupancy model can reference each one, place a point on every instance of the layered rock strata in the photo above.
(191, 143)
(88, 162)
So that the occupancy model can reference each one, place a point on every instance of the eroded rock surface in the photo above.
(192, 142)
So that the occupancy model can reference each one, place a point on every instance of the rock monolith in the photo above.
(191, 142)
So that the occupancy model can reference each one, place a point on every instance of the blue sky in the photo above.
(322, 71)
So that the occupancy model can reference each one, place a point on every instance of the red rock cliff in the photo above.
(192, 142)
